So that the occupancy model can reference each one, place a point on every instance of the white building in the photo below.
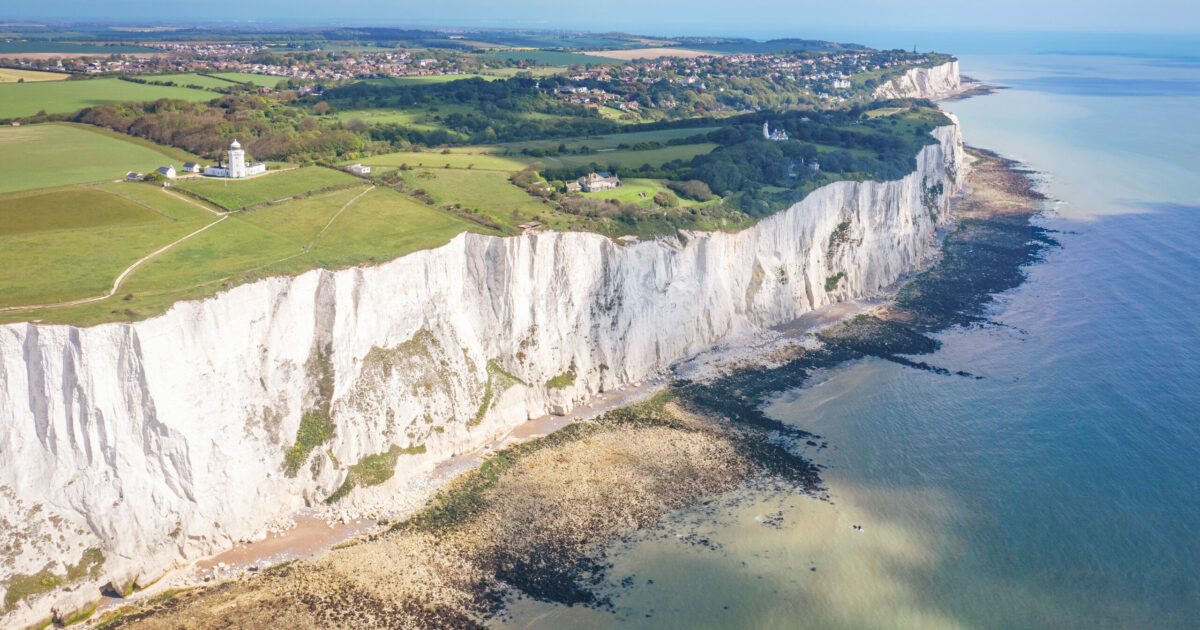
(776, 135)
(167, 171)
(236, 167)
(191, 167)
(359, 169)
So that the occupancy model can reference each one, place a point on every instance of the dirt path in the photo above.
(198, 205)
(130, 269)
(336, 215)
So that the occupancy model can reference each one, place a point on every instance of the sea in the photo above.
(1061, 490)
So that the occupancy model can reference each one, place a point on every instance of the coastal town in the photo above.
(664, 80)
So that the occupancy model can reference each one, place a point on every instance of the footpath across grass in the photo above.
(332, 230)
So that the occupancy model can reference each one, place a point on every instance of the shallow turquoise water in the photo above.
(1060, 491)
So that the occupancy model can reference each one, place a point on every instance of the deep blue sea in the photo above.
(1060, 491)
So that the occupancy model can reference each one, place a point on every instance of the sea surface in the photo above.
(1062, 490)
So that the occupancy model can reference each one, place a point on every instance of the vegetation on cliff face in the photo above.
(20, 586)
(316, 427)
(373, 470)
(564, 380)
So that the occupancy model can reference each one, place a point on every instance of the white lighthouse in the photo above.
(236, 168)
(237, 160)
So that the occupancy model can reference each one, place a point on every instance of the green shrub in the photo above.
(832, 281)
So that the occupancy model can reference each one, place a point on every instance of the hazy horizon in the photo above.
(666, 18)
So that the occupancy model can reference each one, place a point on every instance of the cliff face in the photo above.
(172, 438)
(932, 83)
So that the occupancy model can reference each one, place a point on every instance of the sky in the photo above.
(760, 19)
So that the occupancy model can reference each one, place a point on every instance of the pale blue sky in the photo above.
(759, 18)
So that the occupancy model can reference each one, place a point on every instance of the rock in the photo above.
(122, 585)
(73, 605)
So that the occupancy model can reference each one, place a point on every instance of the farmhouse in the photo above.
(595, 182)
(167, 171)
(133, 176)
(190, 167)
(359, 169)
(237, 167)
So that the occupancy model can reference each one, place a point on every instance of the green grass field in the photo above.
(550, 57)
(417, 119)
(417, 80)
(884, 111)
(41, 156)
(287, 238)
(488, 192)
(15, 75)
(610, 141)
(234, 194)
(69, 208)
(537, 71)
(72, 251)
(64, 97)
(637, 191)
(66, 47)
(477, 158)
(191, 78)
(261, 80)
(633, 159)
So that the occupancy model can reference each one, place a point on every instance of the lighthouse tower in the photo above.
(237, 160)
(766, 132)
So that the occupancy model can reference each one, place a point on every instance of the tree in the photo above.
(321, 108)
(666, 199)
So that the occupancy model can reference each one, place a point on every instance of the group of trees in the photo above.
(268, 129)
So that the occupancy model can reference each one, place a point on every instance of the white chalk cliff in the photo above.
(937, 82)
(163, 441)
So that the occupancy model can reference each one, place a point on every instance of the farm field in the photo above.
(75, 251)
(551, 57)
(64, 97)
(73, 49)
(69, 208)
(261, 80)
(414, 80)
(477, 157)
(191, 78)
(629, 159)
(328, 230)
(235, 194)
(416, 119)
(884, 111)
(14, 75)
(611, 141)
(536, 71)
(488, 192)
(40, 156)
(628, 54)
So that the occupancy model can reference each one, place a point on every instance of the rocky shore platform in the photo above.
(533, 520)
